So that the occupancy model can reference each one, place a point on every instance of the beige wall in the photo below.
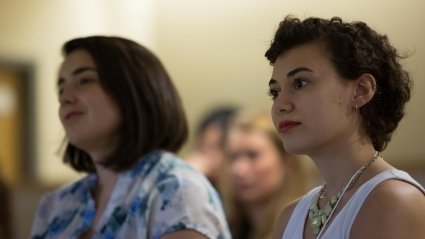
(213, 50)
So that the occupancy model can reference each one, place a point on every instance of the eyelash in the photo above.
(81, 82)
(86, 80)
(272, 93)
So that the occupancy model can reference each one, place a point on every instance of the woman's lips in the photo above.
(286, 125)
(72, 115)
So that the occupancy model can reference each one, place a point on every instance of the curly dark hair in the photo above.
(355, 49)
(152, 112)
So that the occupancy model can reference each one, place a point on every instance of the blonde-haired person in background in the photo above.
(262, 176)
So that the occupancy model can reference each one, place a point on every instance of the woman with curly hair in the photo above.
(339, 92)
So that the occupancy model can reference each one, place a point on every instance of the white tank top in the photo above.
(341, 225)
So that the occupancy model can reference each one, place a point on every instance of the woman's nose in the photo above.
(67, 96)
(283, 104)
(239, 167)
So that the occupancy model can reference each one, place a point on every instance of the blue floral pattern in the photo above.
(159, 195)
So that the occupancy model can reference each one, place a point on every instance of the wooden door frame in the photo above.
(29, 147)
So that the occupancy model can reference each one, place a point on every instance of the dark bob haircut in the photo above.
(151, 110)
(355, 49)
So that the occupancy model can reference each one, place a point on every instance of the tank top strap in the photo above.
(295, 227)
(345, 219)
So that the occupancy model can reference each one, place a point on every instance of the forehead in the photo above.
(313, 55)
(74, 60)
(254, 137)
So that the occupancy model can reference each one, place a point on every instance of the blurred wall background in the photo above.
(214, 51)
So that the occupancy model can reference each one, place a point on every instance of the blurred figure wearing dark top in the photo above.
(207, 155)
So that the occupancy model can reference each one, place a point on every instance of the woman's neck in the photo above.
(106, 176)
(338, 166)
(107, 179)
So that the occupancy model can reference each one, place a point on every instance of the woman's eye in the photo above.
(299, 83)
(86, 80)
(252, 155)
(273, 93)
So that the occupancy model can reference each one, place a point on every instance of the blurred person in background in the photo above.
(262, 177)
(207, 155)
(124, 122)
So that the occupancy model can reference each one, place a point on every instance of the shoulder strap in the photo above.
(295, 227)
(345, 219)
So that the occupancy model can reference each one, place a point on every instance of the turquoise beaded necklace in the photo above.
(320, 216)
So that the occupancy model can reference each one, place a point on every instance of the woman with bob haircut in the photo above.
(339, 92)
(124, 122)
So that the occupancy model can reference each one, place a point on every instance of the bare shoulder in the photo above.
(394, 209)
(283, 220)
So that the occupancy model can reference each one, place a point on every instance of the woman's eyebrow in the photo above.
(296, 70)
(77, 72)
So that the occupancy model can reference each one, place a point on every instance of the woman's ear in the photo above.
(365, 89)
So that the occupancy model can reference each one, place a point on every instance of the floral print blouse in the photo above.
(159, 195)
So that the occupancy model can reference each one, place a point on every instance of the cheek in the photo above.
(275, 117)
(265, 169)
(316, 110)
(61, 114)
(109, 111)
(271, 173)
